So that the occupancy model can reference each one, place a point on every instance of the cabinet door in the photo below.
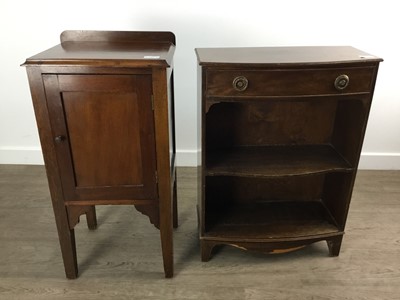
(103, 130)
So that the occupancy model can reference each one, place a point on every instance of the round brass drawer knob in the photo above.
(240, 83)
(341, 82)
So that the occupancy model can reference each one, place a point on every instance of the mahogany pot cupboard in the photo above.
(104, 105)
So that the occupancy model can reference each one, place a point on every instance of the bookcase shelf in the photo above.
(272, 221)
(269, 161)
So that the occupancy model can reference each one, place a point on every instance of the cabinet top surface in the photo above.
(282, 56)
(107, 48)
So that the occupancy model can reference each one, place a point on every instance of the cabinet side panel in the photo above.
(337, 194)
(349, 129)
(165, 192)
(171, 118)
(201, 119)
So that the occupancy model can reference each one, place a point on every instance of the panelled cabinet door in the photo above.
(103, 130)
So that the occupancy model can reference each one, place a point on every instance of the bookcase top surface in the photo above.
(283, 55)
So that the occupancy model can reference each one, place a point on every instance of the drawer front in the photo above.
(280, 83)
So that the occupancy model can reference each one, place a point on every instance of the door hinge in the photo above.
(156, 173)
(152, 102)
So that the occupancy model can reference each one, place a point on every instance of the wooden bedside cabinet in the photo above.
(105, 112)
(281, 135)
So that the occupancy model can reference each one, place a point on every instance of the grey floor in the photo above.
(122, 258)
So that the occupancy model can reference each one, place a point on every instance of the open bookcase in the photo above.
(280, 156)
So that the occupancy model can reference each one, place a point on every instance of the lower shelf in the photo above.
(271, 221)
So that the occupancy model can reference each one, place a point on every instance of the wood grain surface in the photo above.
(120, 260)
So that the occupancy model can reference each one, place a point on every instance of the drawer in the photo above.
(280, 83)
